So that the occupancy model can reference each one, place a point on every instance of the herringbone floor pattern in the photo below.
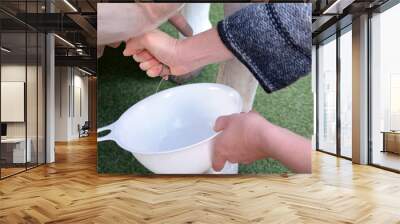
(70, 191)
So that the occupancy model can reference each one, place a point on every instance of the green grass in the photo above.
(121, 84)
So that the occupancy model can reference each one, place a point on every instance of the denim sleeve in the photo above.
(272, 40)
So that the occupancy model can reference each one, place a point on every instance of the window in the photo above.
(327, 96)
(15, 146)
(346, 93)
(385, 89)
(22, 93)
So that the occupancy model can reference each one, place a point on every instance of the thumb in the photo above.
(181, 24)
(221, 123)
(218, 161)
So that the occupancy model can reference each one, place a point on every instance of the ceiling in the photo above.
(332, 15)
(74, 22)
(16, 42)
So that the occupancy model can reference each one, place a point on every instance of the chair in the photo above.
(84, 130)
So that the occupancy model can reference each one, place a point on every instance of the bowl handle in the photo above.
(229, 168)
(107, 137)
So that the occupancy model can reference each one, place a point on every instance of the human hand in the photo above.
(247, 137)
(240, 140)
(155, 48)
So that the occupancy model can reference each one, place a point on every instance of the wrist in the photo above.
(202, 49)
(266, 133)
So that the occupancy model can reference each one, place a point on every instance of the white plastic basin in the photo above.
(171, 132)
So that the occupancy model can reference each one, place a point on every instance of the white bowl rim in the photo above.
(175, 150)
(240, 106)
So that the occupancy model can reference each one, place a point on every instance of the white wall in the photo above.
(62, 81)
(15, 72)
(69, 82)
(12, 100)
(79, 117)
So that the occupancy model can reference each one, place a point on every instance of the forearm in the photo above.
(292, 150)
(203, 49)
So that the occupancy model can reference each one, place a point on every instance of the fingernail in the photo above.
(216, 169)
(141, 66)
(150, 74)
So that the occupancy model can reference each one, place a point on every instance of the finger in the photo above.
(181, 24)
(218, 161)
(154, 71)
(133, 46)
(159, 70)
(115, 45)
(221, 123)
(218, 158)
(165, 72)
(146, 65)
(143, 56)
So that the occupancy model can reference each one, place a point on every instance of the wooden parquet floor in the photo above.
(11, 170)
(70, 191)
